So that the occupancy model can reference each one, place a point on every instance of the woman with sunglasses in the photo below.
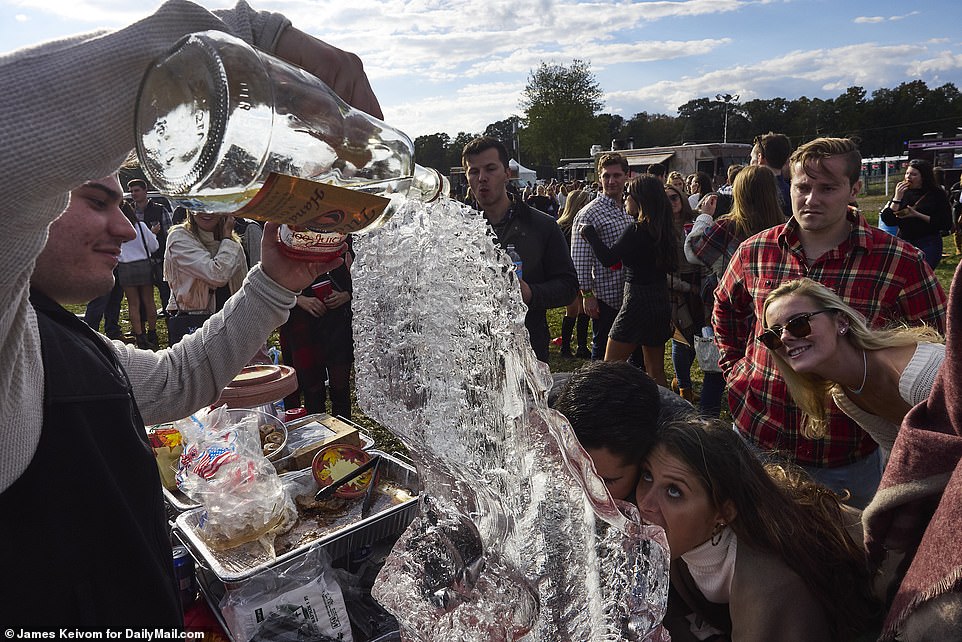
(823, 347)
(648, 251)
(921, 210)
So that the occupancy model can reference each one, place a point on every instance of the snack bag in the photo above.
(166, 442)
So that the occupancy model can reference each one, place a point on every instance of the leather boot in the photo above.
(582, 329)
(141, 340)
(567, 327)
(688, 394)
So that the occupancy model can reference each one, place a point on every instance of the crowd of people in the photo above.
(834, 339)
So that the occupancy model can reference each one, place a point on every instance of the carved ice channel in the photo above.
(517, 537)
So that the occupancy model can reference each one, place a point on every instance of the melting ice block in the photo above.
(517, 537)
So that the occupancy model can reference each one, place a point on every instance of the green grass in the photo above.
(386, 441)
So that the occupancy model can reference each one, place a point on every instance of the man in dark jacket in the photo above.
(548, 278)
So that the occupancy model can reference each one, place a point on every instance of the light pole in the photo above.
(727, 99)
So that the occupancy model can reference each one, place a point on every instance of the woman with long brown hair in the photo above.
(758, 552)
(648, 251)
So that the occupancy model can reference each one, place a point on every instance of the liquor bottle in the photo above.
(516, 259)
(223, 127)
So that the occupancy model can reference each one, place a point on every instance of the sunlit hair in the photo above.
(755, 205)
(813, 154)
(612, 158)
(574, 202)
(687, 214)
(649, 192)
(483, 144)
(674, 175)
(190, 224)
(780, 511)
(733, 172)
(811, 391)
(775, 147)
(924, 168)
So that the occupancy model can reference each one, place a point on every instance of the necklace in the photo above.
(864, 376)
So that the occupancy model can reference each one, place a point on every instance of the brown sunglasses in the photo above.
(798, 326)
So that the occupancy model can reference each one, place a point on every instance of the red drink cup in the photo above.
(322, 289)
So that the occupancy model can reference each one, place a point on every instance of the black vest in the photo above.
(83, 531)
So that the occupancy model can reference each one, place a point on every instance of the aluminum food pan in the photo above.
(180, 502)
(339, 534)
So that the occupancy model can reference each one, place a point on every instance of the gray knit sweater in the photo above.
(66, 116)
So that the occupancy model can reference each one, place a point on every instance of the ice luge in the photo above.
(517, 537)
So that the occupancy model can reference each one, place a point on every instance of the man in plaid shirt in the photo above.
(602, 288)
(881, 276)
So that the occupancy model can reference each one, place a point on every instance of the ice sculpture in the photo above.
(517, 537)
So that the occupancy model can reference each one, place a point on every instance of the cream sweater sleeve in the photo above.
(65, 117)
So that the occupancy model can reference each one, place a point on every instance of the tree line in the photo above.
(562, 118)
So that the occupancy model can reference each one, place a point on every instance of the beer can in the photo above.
(184, 576)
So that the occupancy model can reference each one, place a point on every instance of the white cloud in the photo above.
(878, 19)
(20, 17)
(818, 72)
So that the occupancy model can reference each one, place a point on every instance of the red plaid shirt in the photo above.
(879, 275)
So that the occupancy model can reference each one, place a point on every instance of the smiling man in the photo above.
(826, 240)
(548, 278)
(79, 486)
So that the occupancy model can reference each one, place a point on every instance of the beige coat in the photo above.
(194, 272)
(769, 601)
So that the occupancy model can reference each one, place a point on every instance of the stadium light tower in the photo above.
(727, 99)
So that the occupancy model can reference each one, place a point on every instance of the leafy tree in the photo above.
(508, 131)
(454, 149)
(432, 151)
(560, 103)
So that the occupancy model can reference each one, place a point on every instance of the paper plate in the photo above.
(337, 460)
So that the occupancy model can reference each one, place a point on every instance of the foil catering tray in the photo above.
(339, 532)
(179, 502)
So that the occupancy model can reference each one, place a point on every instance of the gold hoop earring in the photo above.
(716, 533)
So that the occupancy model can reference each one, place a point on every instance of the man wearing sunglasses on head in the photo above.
(830, 242)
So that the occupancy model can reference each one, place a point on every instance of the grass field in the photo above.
(870, 206)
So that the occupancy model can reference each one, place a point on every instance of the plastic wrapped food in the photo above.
(224, 469)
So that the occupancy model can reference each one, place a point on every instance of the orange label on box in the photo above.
(298, 201)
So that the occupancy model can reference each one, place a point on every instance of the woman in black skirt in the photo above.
(648, 251)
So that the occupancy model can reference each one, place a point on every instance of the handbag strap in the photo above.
(143, 240)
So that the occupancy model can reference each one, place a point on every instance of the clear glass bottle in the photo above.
(223, 127)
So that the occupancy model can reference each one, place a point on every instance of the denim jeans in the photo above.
(860, 479)
(712, 390)
(600, 328)
(682, 356)
(931, 246)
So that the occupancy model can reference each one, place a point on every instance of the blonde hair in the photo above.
(576, 199)
(811, 391)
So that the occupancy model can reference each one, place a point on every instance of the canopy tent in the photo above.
(519, 171)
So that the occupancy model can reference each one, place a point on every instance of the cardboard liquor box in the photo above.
(311, 433)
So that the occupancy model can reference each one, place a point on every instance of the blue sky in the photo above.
(451, 65)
